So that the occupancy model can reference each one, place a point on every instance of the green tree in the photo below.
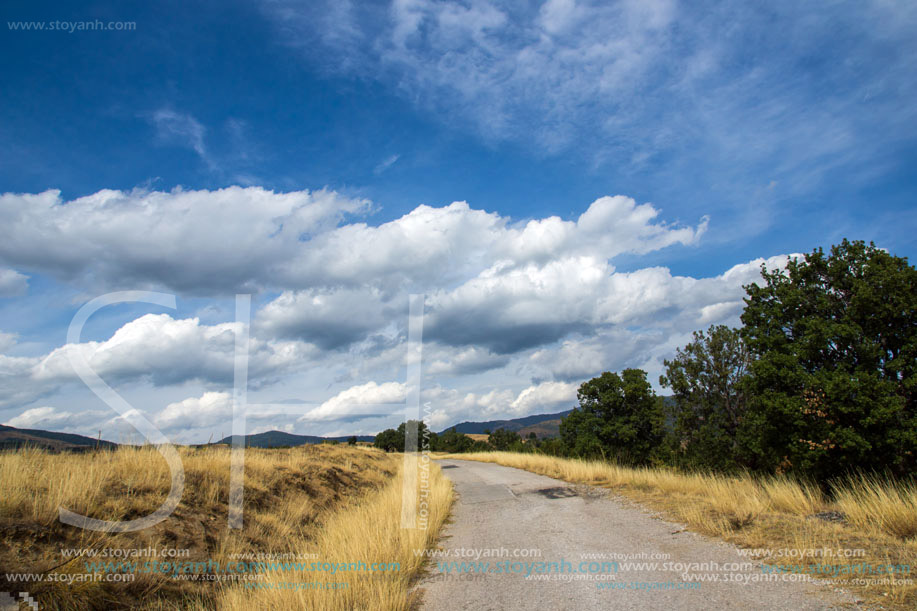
(709, 404)
(451, 441)
(619, 416)
(352, 440)
(835, 373)
(390, 441)
(504, 440)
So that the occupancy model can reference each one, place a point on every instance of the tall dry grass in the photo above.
(872, 503)
(369, 532)
(764, 513)
(291, 496)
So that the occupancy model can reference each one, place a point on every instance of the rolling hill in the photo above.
(543, 425)
(274, 439)
(11, 437)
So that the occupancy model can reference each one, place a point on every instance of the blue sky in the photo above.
(310, 154)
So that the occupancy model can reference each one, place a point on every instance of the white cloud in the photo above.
(12, 283)
(197, 242)
(157, 348)
(433, 247)
(716, 99)
(243, 240)
(509, 303)
(183, 129)
(357, 400)
(210, 409)
(50, 418)
(173, 351)
(30, 418)
(385, 164)
(448, 361)
(450, 405)
(330, 319)
(509, 309)
(545, 397)
(7, 341)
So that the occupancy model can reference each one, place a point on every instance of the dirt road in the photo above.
(506, 516)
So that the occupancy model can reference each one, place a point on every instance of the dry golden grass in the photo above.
(368, 532)
(765, 513)
(873, 504)
(291, 496)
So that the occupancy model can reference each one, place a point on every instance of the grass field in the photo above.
(333, 503)
(771, 513)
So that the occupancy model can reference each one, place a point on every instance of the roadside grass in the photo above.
(369, 532)
(291, 498)
(774, 513)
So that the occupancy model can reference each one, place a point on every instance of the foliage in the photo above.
(503, 440)
(451, 441)
(392, 440)
(619, 416)
(834, 379)
(709, 403)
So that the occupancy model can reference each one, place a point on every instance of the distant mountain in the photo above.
(274, 439)
(542, 430)
(11, 437)
(543, 425)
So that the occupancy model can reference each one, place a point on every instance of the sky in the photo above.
(573, 187)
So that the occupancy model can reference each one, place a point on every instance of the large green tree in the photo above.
(392, 440)
(709, 402)
(619, 416)
(451, 441)
(505, 440)
(835, 373)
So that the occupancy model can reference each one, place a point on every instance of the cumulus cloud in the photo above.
(449, 405)
(330, 319)
(538, 299)
(12, 283)
(170, 351)
(509, 309)
(7, 341)
(157, 348)
(547, 396)
(194, 242)
(448, 361)
(243, 239)
(209, 409)
(52, 418)
(581, 359)
(358, 401)
(436, 246)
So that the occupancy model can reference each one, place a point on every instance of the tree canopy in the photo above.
(835, 370)
(618, 416)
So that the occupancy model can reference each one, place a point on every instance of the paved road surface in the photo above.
(500, 507)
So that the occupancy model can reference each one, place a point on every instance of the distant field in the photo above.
(879, 517)
(337, 502)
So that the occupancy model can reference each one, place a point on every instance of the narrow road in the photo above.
(503, 513)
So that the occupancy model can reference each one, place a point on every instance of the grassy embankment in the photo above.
(766, 513)
(336, 502)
